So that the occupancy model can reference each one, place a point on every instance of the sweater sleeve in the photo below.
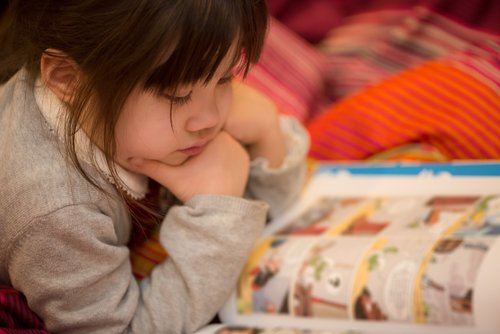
(77, 277)
(281, 186)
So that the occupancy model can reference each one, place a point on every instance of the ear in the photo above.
(60, 73)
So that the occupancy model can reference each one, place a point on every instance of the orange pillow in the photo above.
(452, 104)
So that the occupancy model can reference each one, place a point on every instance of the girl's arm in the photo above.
(73, 266)
(277, 145)
(281, 186)
(254, 122)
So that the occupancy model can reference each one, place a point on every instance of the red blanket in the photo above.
(15, 315)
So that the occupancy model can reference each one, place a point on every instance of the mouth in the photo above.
(195, 149)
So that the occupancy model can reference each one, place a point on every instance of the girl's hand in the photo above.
(253, 121)
(221, 168)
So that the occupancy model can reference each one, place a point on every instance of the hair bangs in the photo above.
(208, 31)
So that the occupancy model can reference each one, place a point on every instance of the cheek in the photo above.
(224, 100)
(144, 130)
(148, 144)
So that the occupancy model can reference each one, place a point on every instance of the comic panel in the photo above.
(448, 279)
(484, 220)
(386, 214)
(441, 215)
(264, 285)
(323, 284)
(384, 284)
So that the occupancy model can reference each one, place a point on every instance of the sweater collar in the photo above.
(135, 185)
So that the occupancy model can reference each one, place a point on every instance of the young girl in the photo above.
(100, 96)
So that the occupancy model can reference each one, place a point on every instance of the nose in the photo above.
(205, 117)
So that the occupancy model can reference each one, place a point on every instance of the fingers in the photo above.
(221, 168)
(151, 168)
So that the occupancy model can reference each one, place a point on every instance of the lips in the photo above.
(195, 149)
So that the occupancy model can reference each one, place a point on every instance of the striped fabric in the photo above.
(291, 72)
(365, 49)
(15, 315)
(446, 104)
(373, 46)
(312, 19)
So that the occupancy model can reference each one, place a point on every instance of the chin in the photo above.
(175, 161)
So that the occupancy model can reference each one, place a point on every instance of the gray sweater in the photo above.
(63, 242)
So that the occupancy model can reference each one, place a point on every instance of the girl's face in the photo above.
(147, 127)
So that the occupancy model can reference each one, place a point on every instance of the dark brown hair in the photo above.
(120, 44)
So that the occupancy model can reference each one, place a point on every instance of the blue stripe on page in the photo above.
(456, 169)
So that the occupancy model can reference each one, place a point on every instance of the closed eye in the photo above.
(179, 100)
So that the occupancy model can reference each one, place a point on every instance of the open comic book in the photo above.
(378, 249)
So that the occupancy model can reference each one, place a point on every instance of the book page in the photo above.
(228, 329)
(392, 254)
